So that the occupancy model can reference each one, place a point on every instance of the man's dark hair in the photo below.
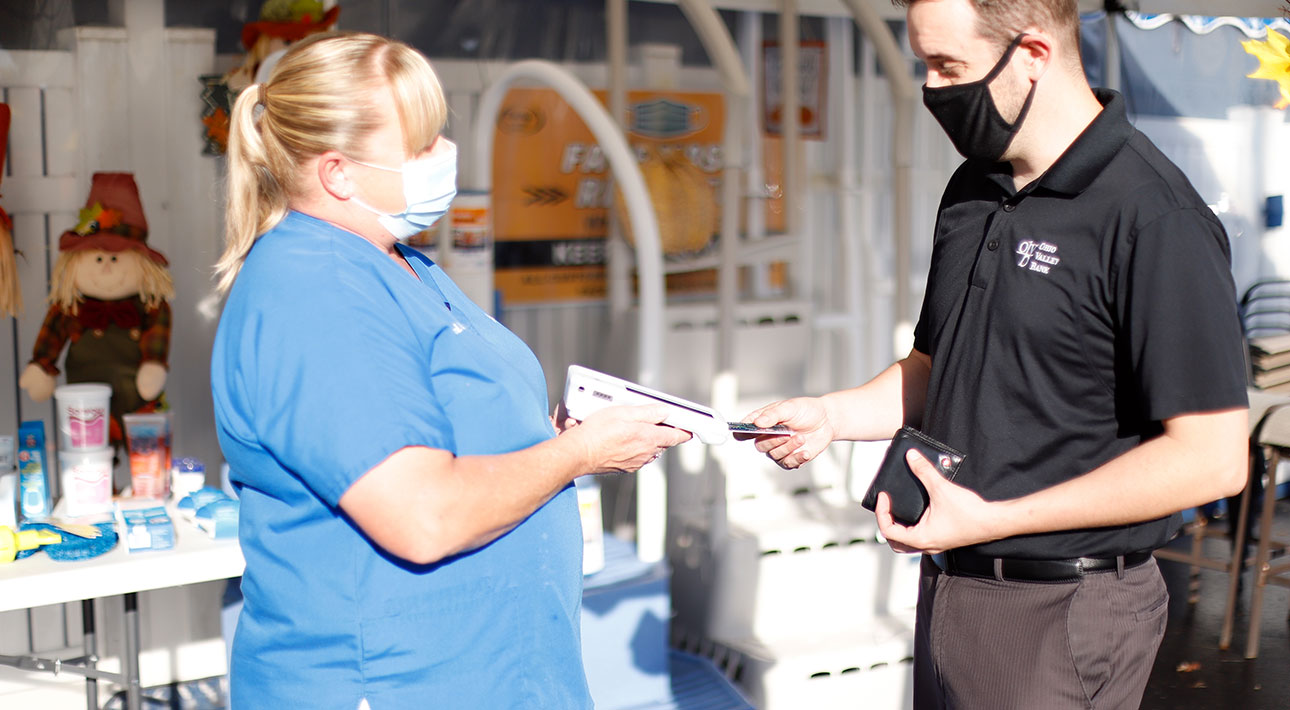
(1002, 20)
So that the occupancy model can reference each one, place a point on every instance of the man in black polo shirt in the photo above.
(1079, 341)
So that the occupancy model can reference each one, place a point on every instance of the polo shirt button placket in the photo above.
(1008, 207)
(992, 244)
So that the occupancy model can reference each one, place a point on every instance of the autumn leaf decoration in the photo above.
(96, 218)
(1274, 62)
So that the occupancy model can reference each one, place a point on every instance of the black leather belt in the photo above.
(970, 564)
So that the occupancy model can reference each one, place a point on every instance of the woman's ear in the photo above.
(332, 176)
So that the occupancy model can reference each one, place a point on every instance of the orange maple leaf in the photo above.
(217, 126)
(109, 218)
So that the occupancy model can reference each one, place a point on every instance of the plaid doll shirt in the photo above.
(150, 326)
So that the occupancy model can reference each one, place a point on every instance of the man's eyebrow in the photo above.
(942, 59)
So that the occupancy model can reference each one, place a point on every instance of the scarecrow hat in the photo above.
(112, 219)
(288, 30)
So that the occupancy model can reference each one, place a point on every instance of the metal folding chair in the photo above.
(1233, 561)
(1270, 564)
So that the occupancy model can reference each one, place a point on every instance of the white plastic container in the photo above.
(8, 454)
(83, 416)
(87, 482)
(9, 499)
(593, 531)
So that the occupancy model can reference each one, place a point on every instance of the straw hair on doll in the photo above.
(10, 289)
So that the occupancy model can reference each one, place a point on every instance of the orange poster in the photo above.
(551, 192)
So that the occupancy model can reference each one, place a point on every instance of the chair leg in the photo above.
(1236, 566)
(1264, 552)
(1197, 552)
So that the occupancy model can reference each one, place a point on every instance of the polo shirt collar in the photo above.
(1086, 157)
(1093, 150)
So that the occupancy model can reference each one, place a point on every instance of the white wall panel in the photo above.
(76, 112)
(188, 231)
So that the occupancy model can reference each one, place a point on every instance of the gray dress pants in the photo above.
(1007, 645)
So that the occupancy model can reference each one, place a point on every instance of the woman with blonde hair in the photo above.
(408, 517)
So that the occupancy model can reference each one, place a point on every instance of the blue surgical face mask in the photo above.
(429, 185)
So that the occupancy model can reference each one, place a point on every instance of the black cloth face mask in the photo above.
(969, 116)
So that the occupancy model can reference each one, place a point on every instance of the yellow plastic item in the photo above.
(11, 542)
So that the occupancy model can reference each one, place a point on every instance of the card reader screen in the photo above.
(667, 400)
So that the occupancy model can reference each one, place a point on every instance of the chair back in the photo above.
(1265, 320)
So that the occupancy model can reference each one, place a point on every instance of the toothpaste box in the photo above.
(33, 480)
(146, 528)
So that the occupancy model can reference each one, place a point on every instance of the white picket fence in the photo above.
(109, 101)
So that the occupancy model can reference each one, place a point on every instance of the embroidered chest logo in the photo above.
(1037, 256)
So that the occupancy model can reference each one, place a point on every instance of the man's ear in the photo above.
(332, 175)
(1036, 50)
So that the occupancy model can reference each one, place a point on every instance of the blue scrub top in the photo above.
(328, 359)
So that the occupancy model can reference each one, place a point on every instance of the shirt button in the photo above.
(992, 244)
(1008, 207)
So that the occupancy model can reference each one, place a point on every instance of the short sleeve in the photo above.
(338, 381)
(1177, 313)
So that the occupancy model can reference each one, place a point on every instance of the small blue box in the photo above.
(147, 529)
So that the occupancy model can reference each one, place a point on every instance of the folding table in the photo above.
(39, 580)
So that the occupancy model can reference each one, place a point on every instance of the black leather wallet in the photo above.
(908, 496)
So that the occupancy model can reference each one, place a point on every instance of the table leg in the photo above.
(91, 653)
(133, 699)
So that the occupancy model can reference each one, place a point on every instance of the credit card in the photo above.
(746, 428)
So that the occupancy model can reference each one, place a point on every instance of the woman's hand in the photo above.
(623, 439)
(812, 430)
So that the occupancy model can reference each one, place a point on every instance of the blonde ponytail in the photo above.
(256, 200)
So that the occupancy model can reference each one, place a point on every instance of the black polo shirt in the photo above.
(1066, 320)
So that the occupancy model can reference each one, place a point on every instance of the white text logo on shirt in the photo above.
(1037, 256)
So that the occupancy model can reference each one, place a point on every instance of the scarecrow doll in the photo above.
(107, 303)
(280, 23)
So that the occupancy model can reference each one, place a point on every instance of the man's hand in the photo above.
(955, 516)
(807, 417)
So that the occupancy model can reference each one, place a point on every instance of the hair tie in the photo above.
(264, 96)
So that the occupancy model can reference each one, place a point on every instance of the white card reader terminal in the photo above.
(587, 391)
